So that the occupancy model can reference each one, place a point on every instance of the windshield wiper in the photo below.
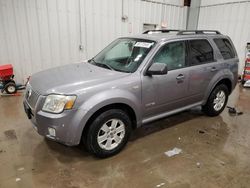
(101, 64)
(104, 65)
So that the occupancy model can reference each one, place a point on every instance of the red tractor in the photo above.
(7, 82)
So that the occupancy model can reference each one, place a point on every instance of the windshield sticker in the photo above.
(144, 44)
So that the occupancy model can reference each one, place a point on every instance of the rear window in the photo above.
(225, 47)
(200, 52)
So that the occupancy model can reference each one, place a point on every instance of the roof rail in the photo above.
(190, 32)
(160, 31)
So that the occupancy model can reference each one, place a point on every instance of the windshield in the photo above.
(124, 55)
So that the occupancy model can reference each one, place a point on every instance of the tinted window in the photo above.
(200, 52)
(172, 54)
(225, 48)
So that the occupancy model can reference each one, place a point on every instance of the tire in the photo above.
(210, 108)
(104, 141)
(10, 88)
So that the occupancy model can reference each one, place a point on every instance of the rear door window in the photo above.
(225, 47)
(200, 52)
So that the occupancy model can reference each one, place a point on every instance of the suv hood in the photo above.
(72, 78)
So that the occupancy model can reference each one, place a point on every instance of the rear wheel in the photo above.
(10, 88)
(216, 101)
(108, 133)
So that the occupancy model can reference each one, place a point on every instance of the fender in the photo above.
(108, 97)
(223, 74)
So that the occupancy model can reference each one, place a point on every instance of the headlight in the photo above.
(58, 103)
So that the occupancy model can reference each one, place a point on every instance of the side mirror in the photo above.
(157, 69)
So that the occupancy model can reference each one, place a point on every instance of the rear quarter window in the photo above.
(225, 47)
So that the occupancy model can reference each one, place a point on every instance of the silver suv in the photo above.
(133, 81)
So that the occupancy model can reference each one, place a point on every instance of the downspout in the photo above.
(80, 26)
(124, 17)
(193, 15)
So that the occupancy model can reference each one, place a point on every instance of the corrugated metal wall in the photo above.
(39, 34)
(231, 17)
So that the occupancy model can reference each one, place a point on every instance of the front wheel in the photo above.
(108, 133)
(216, 101)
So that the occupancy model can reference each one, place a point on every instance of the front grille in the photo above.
(31, 96)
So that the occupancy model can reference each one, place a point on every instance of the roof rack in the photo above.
(160, 31)
(182, 32)
(190, 32)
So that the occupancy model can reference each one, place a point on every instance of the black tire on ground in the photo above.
(91, 136)
(209, 107)
(10, 88)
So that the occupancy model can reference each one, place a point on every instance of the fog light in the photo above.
(52, 132)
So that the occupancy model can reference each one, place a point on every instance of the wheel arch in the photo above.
(226, 81)
(122, 106)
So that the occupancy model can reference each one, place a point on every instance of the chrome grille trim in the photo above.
(31, 96)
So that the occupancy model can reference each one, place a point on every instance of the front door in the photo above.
(162, 93)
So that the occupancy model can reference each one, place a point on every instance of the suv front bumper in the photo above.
(65, 127)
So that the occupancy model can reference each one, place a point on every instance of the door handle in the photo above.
(213, 69)
(180, 77)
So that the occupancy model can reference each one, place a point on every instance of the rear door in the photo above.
(203, 67)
